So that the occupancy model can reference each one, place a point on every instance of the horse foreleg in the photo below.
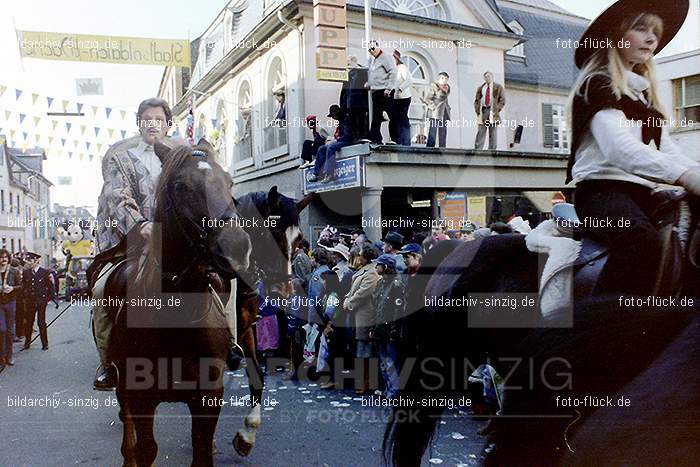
(204, 421)
(146, 446)
(245, 438)
(128, 436)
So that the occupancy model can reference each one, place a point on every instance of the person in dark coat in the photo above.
(320, 135)
(10, 287)
(324, 167)
(389, 300)
(38, 289)
(354, 99)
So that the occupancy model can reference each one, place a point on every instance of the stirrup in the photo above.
(234, 357)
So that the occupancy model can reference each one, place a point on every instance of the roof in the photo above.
(542, 5)
(545, 64)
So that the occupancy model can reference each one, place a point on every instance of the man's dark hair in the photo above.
(322, 256)
(443, 73)
(501, 228)
(304, 245)
(369, 252)
(4, 252)
(154, 102)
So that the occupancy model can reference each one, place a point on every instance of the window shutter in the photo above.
(547, 126)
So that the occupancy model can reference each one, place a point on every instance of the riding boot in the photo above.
(43, 332)
(106, 379)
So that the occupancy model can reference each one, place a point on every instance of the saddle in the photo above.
(672, 220)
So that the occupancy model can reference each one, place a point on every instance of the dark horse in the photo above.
(170, 340)
(595, 348)
(272, 222)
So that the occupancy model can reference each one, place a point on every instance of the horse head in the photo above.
(272, 221)
(196, 211)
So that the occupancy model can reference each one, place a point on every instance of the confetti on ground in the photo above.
(282, 387)
(320, 397)
(473, 456)
(456, 435)
(435, 460)
(307, 401)
(269, 408)
(347, 398)
(313, 385)
(306, 392)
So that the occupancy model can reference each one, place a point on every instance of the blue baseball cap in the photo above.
(411, 248)
(387, 260)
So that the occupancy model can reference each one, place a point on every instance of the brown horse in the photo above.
(170, 341)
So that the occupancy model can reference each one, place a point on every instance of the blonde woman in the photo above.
(621, 147)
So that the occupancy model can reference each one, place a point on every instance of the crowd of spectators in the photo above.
(349, 305)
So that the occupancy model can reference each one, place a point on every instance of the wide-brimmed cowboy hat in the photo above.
(606, 25)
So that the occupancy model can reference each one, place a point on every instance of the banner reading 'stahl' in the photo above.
(105, 49)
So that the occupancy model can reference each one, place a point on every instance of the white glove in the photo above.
(690, 180)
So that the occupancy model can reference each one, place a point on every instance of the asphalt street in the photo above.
(303, 425)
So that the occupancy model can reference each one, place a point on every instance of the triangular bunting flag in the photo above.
(94, 110)
(21, 118)
(87, 145)
(97, 131)
(108, 111)
(7, 114)
(12, 134)
(34, 98)
(123, 134)
(99, 147)
(53, 124)
(68, 125)
(80, 107)
(123, 114)
(82, 129)
(65, 105)
(63, 141)
(91, 156)
(25, 136)
(50, 140)
(70, 154)
(36, 121)
(213, 122)
(18, 92)
(37, 136)
(81, 156)
(2, 89)
(111, 132)
(49, 101)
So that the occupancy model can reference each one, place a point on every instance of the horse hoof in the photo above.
(241, 446)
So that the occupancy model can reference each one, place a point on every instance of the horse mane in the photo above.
(175, 160)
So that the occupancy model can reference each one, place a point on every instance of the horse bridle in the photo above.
(199, 243)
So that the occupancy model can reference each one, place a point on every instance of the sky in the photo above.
(127, 85)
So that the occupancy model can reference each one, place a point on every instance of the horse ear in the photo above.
(273, 197)
(204, 144)
(161, 149)
(304, 202)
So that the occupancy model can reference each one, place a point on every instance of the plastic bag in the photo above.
(310, 347)
(324, 355)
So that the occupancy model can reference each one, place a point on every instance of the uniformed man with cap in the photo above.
(390, 304)
(38, 288)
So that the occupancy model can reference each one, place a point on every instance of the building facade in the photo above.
(679, 89)
(254, 50)
(25, 221)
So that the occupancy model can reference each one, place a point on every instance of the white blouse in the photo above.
(612, 149)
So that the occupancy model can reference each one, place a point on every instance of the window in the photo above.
(556, 133)
(214, 46)
(236, 8)
(421, 83)
(686, 99)
(4, 242)
(18, 204)
(201, 130)
(243, 139)
(218, 137)
(518, 50)
(11, 204)
(19, 242)
(12, 245)
(425, 8)
(275, 125)
(2, 200)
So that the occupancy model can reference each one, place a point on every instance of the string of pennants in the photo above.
(66, 133)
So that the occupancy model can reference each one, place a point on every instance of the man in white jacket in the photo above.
(400, 125)
(382, 78)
